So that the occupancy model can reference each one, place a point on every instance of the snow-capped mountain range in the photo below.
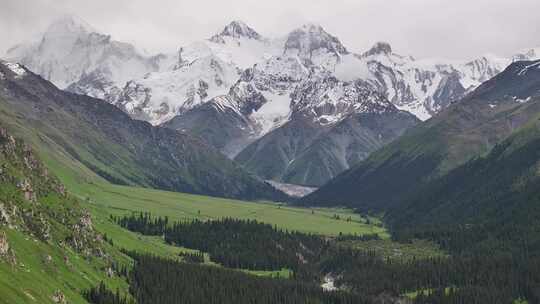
(238, 86)
(75, 56)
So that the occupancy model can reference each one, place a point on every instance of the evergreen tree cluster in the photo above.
(478, 278)
(197, 257)
(101, 295)
(162, 281)
(233, 243)
(143, 223)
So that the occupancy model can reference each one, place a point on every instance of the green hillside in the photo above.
(491, 202)
(48, 243)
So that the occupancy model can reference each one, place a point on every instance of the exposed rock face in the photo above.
(4, 245)
(314, 45)
(26, 187)
(333, 124)
(110, 272)
(59, 297)
(86, 221)
(5, 218)
(378, 49)
(236, 29)
(6, 252)
(83, 234)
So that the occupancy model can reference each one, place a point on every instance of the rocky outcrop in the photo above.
(4, 245)
(59, 297)
(28, 191)
(7, 254)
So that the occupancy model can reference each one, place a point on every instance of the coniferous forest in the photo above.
(368, 277)
(233, 243)
(158, 280)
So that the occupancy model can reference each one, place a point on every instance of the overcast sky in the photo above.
(422, 28)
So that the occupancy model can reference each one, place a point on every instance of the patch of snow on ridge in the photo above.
(274, 112)
(526, 69)
(520, 100)
(16, 68)
(416, 109)
(291, 189)
(163, 95)
(351, 68)
(224, 102)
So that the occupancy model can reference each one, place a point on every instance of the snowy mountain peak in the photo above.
(312, 38)
(69, 24)
(236, 29)
(379, 48)
(312, 27)
(527, 54)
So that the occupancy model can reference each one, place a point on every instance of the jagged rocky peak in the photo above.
(312, 37)
(330, 100)
(380, 48)
(236, 29)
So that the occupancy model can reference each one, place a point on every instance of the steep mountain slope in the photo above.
(501, 186)
(345, 144)
(466, 129)
(49, 248)
(333, 124)
(118, 148)
(220, 122)
(489, 204)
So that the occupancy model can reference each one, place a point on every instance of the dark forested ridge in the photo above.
(489, 204)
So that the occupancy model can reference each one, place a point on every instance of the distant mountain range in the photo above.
(296, 109)
(466, 130)
(90, 133)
